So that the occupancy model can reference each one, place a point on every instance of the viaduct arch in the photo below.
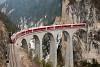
(51, 32)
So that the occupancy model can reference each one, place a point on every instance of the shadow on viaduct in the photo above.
(52, 32)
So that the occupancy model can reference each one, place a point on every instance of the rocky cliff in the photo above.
(84, 11)
(85, 43)
(6, 27)
(3, 41)
(3, 33)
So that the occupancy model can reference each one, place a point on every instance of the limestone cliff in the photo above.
(78, 11)
(84, 11)
(86, 44)
(64, 19)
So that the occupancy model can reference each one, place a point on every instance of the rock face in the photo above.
(2, 64)
(78, 11)
(3, 33)
(64, 19)
(3, 40)
(84, 11)
(86, 44)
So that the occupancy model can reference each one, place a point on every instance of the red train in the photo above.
(15, 36)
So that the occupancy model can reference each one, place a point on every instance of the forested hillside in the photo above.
(30, 13)
(11, 27)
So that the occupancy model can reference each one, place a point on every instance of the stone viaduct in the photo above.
(23, 38)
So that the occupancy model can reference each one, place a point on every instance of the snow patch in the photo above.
(11, 11)
(3, 10)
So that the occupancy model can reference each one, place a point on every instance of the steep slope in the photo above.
(85, 48)
(3, 40)
(11, 27)
(31, 12)
(6, 27)
(85, 11)
(96, 4)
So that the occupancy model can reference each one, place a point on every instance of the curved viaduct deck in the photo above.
(39, 32)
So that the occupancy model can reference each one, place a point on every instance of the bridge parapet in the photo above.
(39, 32)
(46, 28)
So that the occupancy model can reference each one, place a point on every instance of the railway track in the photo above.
(12, 56)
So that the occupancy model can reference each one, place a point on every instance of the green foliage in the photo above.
(42, 63)
(46, 45)
(97, 35)
(96, 4)
(87, 64)
(48, 64)
(60, 60)
(35, 10)
(8, 23)
(30, 54)
(37, 61)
